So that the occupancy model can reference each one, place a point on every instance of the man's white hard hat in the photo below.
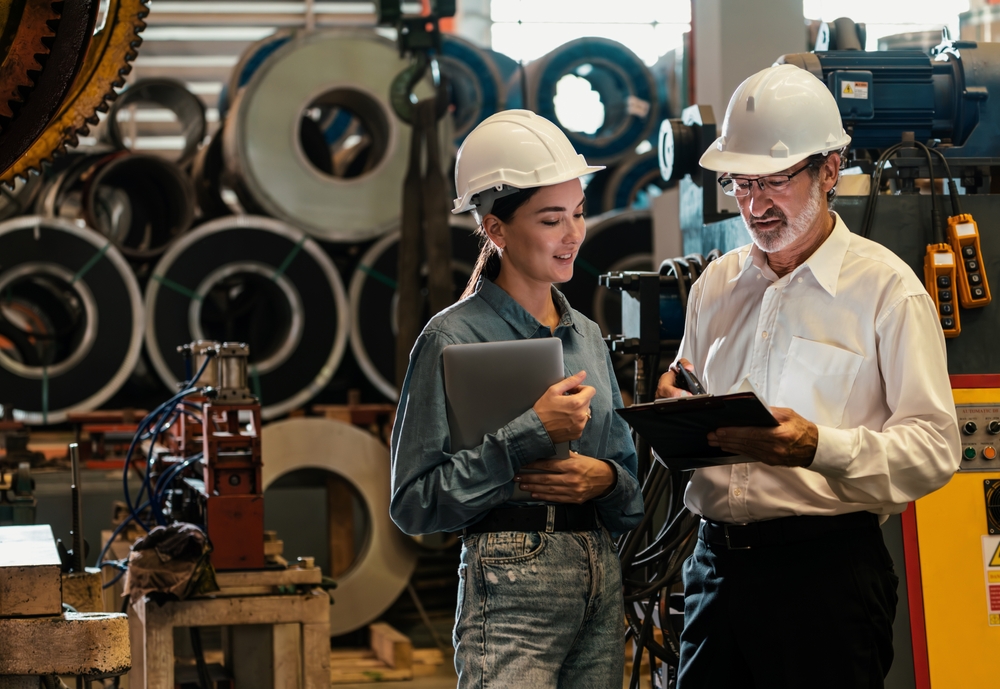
(509, 151)
(776, 118)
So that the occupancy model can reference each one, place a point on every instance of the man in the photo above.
(790, 584)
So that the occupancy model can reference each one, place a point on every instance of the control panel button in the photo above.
(947, 309)
(989, 452)
(944, 295)
(975, 279)
(969, 251)
(978, 293)
(994, 427)
(972, 265)
(944, 281)
(970, 427)
(947, 323)
(970, 453)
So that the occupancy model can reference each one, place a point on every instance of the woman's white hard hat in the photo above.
(776, 118)
(509, 151)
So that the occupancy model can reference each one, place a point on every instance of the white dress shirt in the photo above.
(850, 340)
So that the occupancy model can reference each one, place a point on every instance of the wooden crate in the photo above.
(390, 657)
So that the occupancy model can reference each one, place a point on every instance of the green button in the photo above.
(970, 453)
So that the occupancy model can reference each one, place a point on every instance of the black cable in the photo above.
(204, 680)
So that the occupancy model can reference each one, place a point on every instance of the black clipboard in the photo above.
(677, 428)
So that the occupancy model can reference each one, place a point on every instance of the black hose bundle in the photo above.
(653, 554)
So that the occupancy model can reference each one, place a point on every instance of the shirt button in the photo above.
(764, 335)
(737, 492)
(800, 279)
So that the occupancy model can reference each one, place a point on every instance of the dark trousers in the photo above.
(811, 614)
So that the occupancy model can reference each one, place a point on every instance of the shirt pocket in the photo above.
(817, 380)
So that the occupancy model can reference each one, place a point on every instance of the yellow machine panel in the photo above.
(963, 637)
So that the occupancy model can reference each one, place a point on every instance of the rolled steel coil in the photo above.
(140, 202)
(21, 199)
(634, 182)
(206, 175)
(618, 240)
(626, 87)
(255, 280)
(374, 299)
(312, 139)
(251, 58)
(477, 87)
(168, 94)
(71, 318)
(388, 558)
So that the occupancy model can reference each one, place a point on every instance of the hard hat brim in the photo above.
(753, 164)
(464, 204)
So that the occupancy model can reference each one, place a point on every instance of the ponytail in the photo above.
(488, 263)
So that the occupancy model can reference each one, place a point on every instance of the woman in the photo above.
(540, 599)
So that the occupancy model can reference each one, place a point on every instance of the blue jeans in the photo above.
(539, 610)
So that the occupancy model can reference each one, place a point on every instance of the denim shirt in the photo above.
(434, 489)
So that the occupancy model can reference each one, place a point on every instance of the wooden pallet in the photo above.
(391, 657)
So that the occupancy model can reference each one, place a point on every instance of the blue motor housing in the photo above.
(944, 97)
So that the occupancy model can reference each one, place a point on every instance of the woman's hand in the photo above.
(564, 409)
(574, 480)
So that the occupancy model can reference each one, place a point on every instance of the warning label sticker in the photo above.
(991, 566)
(854, 89)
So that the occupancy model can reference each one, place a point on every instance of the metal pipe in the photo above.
(77, 534)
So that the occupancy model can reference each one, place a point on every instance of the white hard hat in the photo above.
(776, 118)
(512, 150)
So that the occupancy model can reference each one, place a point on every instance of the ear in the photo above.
(829, 172)
(494, 229)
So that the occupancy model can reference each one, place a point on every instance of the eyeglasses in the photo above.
(741, 186)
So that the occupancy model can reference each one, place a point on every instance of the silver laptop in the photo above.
(490, 384)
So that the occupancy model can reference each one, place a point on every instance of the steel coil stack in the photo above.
(304, 167)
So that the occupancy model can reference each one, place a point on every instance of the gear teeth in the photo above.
(16, 78)
(117, 44)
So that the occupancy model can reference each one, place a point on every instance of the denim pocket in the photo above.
(511, 546)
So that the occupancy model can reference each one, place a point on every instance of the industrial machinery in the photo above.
(225, 494)
(204, 458)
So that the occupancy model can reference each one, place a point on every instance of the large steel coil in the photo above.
(316, 448)
(618, 240)
(251, 58)
(374, 299)
(477, 87)
(255, 280)
(126, 128)
(312, 139)
(71, 318)
(140, 202)
(634, 182)
(626, 87)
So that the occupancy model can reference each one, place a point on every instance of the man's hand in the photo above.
(791, 444)
(575, 480)
(667, 386)
(564, 409)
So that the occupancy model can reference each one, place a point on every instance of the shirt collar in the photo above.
(523, 322)
(824, 264)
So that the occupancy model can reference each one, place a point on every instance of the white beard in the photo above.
(791, 228)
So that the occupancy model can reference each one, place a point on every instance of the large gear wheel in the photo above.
(104, 68)
(26, 23)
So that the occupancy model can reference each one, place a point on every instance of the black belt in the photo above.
(537, 518)
(781, 531)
